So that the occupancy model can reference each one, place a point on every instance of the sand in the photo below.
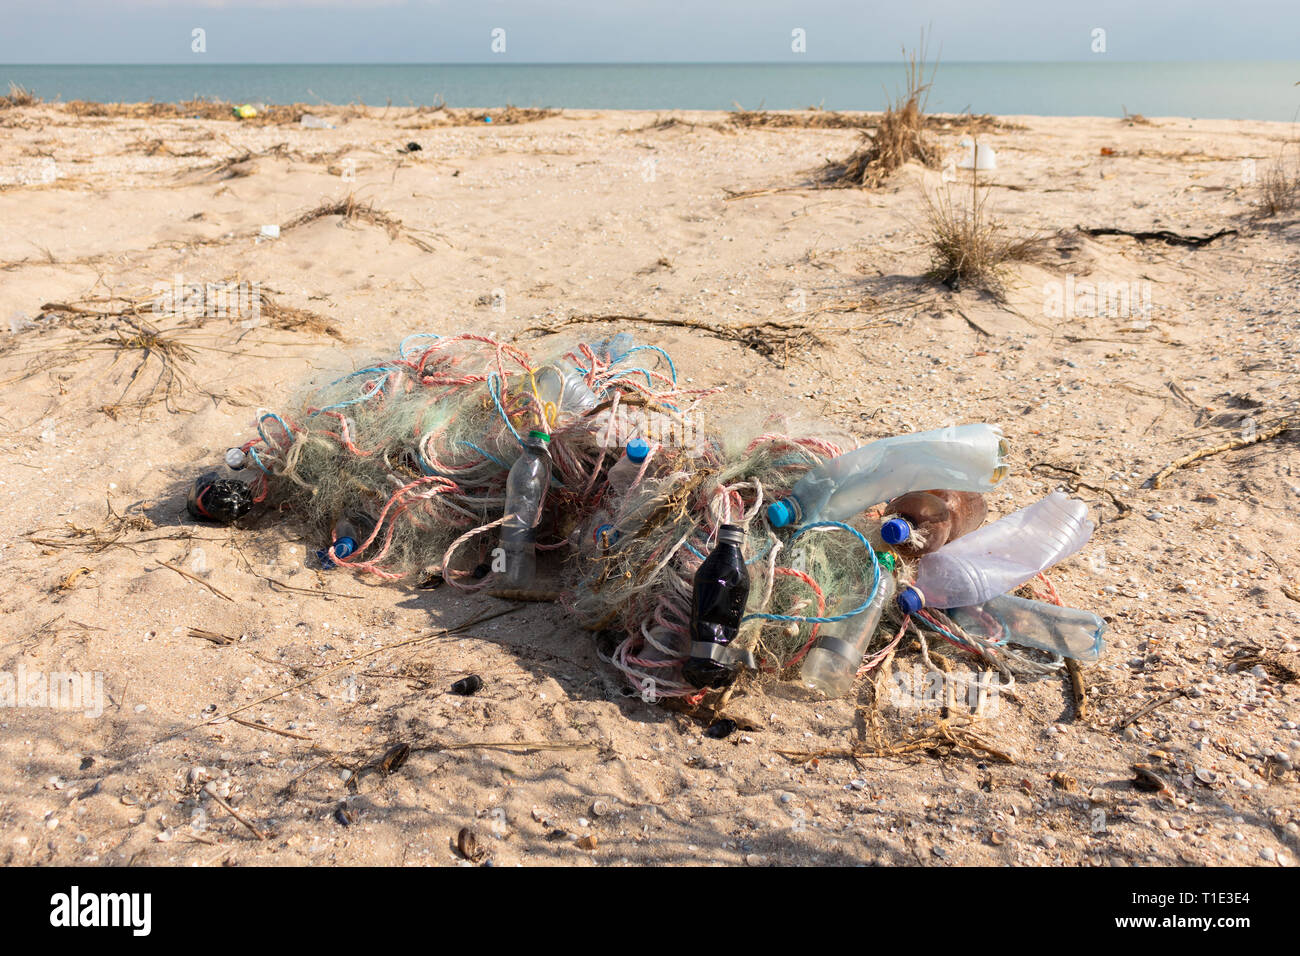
(505, 228)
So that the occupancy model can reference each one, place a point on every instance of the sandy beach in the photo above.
(510, 229)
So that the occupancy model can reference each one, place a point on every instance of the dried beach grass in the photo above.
(968, 247)
(440, 114)
(18, 96)
(899, 138)
(269, 115)
(350, 209)
(1278, 188)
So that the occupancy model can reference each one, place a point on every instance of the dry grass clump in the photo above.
(1135, 119)
(812, 118)
(900, 136)
(352, 210)
(968, 247)
(18, 96)
(1278, 188)
(292, 319)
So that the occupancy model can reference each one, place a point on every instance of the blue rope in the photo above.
(373, 368)
(875, 582)
(494, 391)
(631, 371)
(925, 622)
(489, 457)
(672, 369)
(378, 390)
(401, 347)
(262, 433)
(755, 559)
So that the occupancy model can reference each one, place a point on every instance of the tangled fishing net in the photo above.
(414, 451)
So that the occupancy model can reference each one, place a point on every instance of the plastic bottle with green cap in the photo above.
(832, 665)
(526, 486)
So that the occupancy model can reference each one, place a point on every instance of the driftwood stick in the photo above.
(1236, 443)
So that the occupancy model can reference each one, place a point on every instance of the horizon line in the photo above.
(496, 63)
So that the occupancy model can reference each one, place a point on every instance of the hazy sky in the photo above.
(604, 31)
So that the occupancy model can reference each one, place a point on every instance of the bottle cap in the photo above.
(236, 458)
(910, 600)
(344, 547)
(895, 531)
(886, 560)
(637, 449)
(731, 534)
(782, 513)
(540, 436)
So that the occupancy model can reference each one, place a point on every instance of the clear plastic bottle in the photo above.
(962, 458)
(1000, 556)
(526, 486)
(1067, 631)
(619, 480)
(563, 391)
(624, 471)
(924, 521)
(222, 495)
(832, 665)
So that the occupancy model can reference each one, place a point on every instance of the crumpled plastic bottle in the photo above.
(1067, 631)
(526, 487)
(1001, 556)
(960, 458)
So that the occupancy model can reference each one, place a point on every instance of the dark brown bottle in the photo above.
(720, 592)
(935, 517)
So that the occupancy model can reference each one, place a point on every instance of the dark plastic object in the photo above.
(467, 686)
(721, 590)
(223, 500)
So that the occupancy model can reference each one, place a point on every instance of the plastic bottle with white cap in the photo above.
(222, 495)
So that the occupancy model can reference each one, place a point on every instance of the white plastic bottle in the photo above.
(832, 665)
(959, 458)
(1067, 631)
(623, 473)
(1000, 556)
(619, 481)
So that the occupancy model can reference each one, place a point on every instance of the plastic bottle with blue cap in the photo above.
(620, 479)
(347, 536)
(961, 458)
(921, 522)
(999, 557)
(526, 486)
